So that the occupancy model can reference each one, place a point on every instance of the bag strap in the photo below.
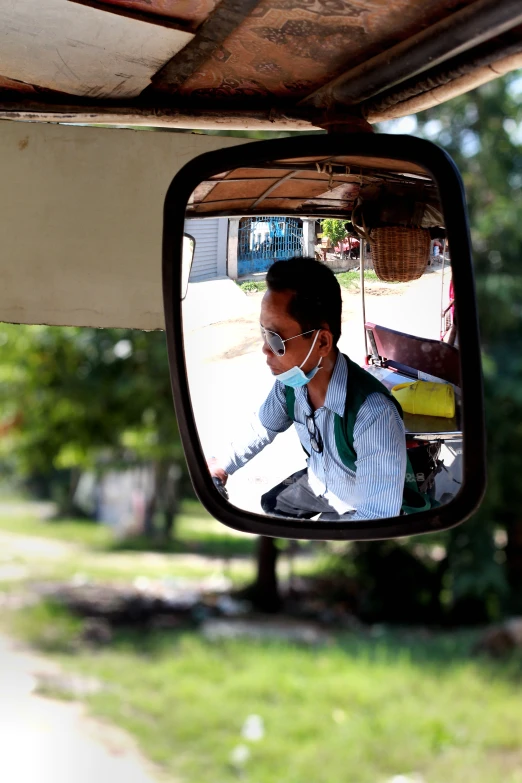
(290, 401)
(360, 385)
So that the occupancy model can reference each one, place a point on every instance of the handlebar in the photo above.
(220, 487)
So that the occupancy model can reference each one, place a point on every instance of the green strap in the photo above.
(360, 385)
(290, 401)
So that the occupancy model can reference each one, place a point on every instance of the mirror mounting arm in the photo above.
(343, 122)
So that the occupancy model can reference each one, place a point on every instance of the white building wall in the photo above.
(210, 256)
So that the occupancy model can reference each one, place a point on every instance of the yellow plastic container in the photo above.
(425, 398)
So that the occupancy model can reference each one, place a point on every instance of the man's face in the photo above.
(275, 317)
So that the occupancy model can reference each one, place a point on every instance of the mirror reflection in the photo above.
(321, 341)
(187, 257)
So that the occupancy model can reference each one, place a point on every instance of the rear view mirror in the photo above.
(325, 360)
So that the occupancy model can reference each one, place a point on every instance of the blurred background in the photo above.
(228, 657)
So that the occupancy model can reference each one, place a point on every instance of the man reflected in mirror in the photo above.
(348, 424)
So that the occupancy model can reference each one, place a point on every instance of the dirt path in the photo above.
(414, 305)
(54, 741)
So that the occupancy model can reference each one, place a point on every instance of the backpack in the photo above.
(360, 385)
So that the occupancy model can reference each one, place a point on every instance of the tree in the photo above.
(335, 230)
(482, 131)
(77, 396)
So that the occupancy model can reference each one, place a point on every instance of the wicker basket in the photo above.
(399, 254)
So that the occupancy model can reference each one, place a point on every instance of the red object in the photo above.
(349, 243)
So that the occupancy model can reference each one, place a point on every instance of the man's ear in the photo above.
(325, 341)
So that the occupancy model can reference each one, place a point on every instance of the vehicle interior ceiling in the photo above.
(259, 64)
(320, 186)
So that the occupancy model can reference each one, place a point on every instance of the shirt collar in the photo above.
(336, 393)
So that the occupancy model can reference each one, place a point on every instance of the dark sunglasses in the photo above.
(276, 343)
(316, 441)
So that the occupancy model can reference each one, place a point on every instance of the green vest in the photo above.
(360, 385)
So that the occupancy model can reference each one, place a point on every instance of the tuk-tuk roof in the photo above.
(313, 185)
(273, 64)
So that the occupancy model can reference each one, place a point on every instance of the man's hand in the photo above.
(216, 470)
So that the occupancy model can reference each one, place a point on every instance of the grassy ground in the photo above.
(361, 707)
(357, 709)
(249, 286)
(201, 548)
(349, 279)
(352, 278)
(195, 532)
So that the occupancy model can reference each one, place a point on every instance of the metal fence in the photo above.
(263, 240)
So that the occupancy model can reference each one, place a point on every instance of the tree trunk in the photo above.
(66, 507)
(148, 521)
(168, 524)
(168, 492)
(264, 592)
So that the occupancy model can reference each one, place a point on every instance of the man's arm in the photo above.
(380, 445)
(271, 419)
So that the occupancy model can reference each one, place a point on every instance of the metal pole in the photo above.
(363, 254)
(442, 316)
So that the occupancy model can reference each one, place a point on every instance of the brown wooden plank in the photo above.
(149, 116)
(189, 13)
(185, 15)
(287, 48)
(227, 16)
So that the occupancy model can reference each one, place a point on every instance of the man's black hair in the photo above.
(317, 293)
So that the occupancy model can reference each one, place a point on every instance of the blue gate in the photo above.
(263, 240)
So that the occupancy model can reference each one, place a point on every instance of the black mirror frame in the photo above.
(444, 171)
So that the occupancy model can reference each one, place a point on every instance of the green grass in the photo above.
(76, 531)
(352, 279)
(196, 532)
(126, 569)
(349, 280)
(358, 709)
(249, 286)
(202, 547)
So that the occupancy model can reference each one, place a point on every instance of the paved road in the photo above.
(47, 741)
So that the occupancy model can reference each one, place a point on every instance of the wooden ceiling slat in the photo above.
(286, 49)
(452, 35)
(226, 18)
(271, 188)
(179, 14)
(267, 58)
(189, 12)
(80, 51)
(227, 190)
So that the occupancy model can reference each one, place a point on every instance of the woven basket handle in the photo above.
(358, 223)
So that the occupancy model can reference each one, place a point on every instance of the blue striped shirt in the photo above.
(375, 490)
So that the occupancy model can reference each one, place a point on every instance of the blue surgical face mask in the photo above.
(295, 377)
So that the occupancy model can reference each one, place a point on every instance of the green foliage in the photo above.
(334, 229)
(73, 398)
(479, 576)
(481, 130)
(251, 286)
